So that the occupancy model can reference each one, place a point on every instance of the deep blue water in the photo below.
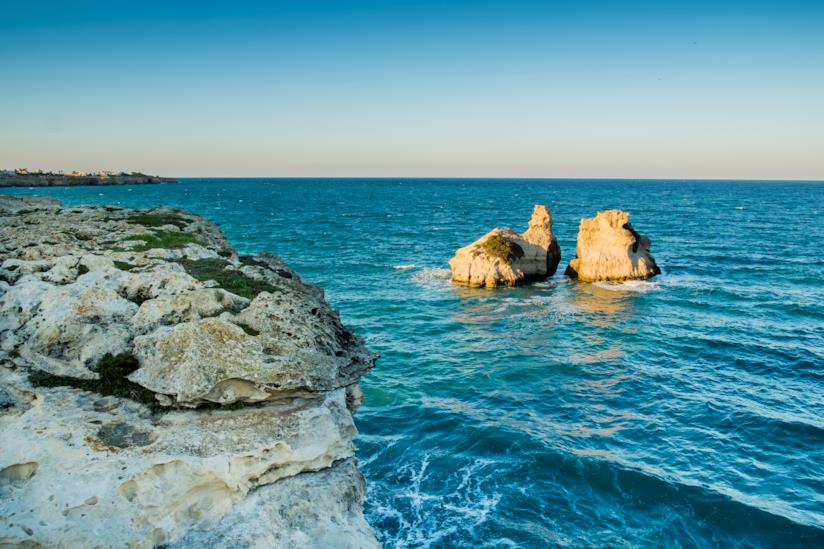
(683, 412)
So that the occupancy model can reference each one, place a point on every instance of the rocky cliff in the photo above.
(609, 249)
(503, 257)
(158, 390)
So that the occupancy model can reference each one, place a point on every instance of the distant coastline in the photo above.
(26, 178)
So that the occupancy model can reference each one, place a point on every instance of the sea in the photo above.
(683, 411)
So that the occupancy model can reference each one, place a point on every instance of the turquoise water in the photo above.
(683, 412)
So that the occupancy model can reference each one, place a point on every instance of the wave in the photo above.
(405, 267)
(408, 509)
(430, 503)
(715, 502)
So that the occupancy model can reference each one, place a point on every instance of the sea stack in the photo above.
(609, 249)
(503, 257)
(156, 389)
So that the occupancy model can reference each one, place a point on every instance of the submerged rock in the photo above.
(160, 390)
(503, 257)
(609, 249)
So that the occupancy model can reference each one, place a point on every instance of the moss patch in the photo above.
(113, 371)
(158, 220)
(230, 280)
(123, 266)
(163, 239)
(502, 248)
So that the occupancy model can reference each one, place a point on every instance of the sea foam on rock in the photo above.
(156, 389)
(609, 249)
(503, 257)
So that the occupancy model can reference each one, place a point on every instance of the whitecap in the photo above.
(404, 267)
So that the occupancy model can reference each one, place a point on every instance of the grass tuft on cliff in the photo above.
(502, 248)
(123, 265)
(230, 280)
(163, 239)
(158, 220)
(112, 370)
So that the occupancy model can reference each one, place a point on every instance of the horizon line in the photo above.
(491, 178)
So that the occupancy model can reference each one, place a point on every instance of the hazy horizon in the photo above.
(548, 90)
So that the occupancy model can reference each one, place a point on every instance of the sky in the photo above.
(556, 89)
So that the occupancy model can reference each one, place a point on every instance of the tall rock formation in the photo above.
(609, 249)
(503, 257)
(158, 390)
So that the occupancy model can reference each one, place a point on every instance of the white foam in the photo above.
(637, 286)
(467, 506)
(404, 267)
(431, 277)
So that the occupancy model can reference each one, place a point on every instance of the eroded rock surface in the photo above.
(503, 257)
(609, 249)
(157, 389)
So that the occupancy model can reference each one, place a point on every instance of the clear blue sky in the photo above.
(511, 88)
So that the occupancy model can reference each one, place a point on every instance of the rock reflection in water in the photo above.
(601, 306)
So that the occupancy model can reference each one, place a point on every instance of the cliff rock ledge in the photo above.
(158, 390)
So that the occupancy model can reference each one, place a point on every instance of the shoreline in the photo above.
(56, 180)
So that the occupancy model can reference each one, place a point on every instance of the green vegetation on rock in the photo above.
(503, 248)
(158, 220)
(163, 239)
(123, 266)
(112, 371)
(248, 329)
(250, 260)
(231, 280)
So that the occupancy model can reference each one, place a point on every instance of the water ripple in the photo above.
(680, 412)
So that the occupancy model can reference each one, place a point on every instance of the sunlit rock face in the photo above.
(503, 257)
(157, 389)
(609, 249)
